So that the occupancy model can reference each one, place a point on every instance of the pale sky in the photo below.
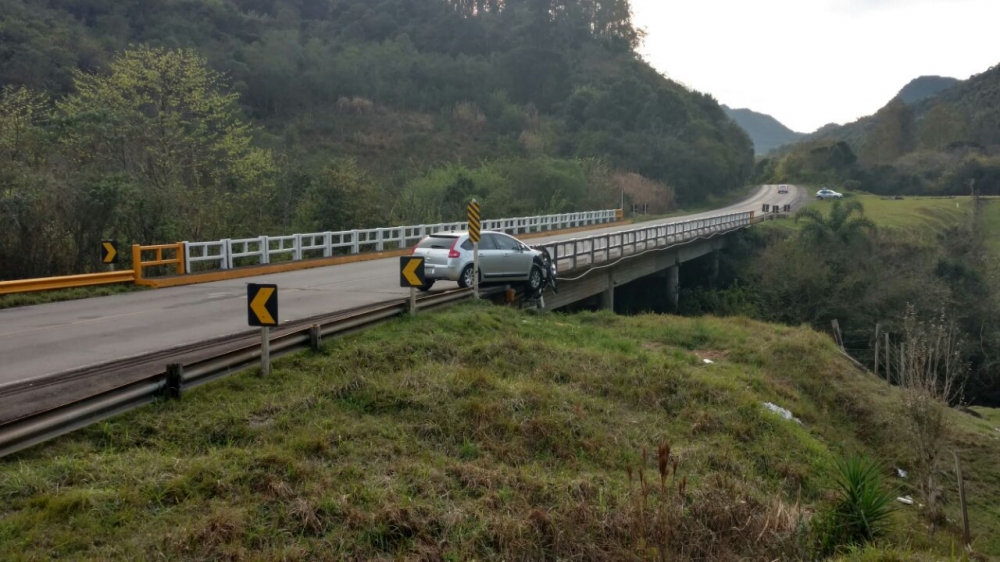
(812, 62)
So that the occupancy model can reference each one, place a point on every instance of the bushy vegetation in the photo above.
(160, 121)
(934, 139)
(837, 262)
(486, 433)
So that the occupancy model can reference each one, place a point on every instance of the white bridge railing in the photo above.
(578, 253)
(236, 252)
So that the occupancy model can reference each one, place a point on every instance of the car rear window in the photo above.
(437, 242)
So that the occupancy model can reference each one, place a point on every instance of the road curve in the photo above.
(43, 340)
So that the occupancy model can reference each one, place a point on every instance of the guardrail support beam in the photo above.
(175, 378)
(315, 338)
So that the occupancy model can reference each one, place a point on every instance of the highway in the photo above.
(40, 341)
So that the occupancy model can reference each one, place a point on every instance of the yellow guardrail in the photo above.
(138, 264)
(65, 282)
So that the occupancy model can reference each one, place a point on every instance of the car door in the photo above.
(516, 261)
(490, 257)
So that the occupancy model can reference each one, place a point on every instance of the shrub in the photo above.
(862, 509)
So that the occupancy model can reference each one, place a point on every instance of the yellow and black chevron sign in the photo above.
(109, 251)
(475, 223)
(262, 305)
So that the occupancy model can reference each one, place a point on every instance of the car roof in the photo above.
(460, 233)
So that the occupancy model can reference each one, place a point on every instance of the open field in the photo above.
(916, 214)
(487, 433)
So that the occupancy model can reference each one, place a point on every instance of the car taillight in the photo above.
(452, 252)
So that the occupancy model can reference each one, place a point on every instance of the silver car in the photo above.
(502, 258)
(828, 194)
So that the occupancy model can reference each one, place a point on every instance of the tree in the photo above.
(844, 223)
(941, 126)
(892, 135)
(165, 121)
(932, 377)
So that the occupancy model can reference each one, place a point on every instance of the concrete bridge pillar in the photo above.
(608, 296)
(715, 267)
(673, 286)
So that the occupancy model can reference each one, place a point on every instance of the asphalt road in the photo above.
(42, 340)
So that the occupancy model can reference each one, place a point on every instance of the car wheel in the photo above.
(466, 278)
(535, 279)
(427, 285)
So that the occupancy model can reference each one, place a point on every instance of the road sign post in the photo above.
(109, 253)
(475, 225)
(411, 274)
(265, 351)
(262, 311)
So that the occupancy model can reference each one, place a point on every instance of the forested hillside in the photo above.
(766, 132)
(935, 144)
(925, 87)
(157, 120)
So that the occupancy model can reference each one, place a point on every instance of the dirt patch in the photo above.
(653, 346)
(712, 355)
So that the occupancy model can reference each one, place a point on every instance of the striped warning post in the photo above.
(475, 223)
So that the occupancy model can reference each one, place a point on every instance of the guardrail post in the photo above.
(175, 379)
(137, 261)
(355, 243)
(297, 249)
(225, 253)
(181, 249)
(315, 338)
(327, 244)
(186, 257)
(378, 239)
(265, 251)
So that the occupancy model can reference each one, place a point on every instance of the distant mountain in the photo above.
(925, 87)
(934, 137)
(766, 132)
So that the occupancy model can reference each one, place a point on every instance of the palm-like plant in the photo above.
(844, 222)
(863, 507)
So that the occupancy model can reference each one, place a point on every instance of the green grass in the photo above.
(921, 215)
(485, 433)
(59, 295)
(916, 213)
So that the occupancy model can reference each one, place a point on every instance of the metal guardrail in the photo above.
(65, 282)
(234, 252)
(576, 253)
(31, 430)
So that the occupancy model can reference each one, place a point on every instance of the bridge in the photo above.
(65, 361)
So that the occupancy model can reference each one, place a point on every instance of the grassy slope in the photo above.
(917, 214)
(480, 433)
